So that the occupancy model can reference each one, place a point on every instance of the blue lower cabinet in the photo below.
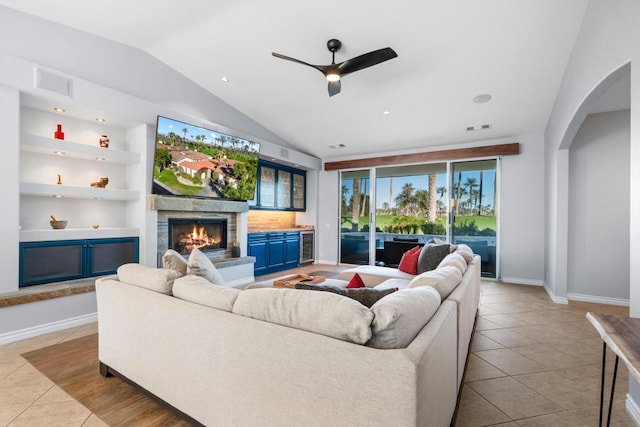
(55, 261)
(274, 251)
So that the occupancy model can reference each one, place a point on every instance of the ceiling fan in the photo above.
(334, 72)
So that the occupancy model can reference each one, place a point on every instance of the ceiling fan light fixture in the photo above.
(333, 77)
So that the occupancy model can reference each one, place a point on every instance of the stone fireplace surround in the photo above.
(236, 214)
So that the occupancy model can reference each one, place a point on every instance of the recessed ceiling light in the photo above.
(59, 110)
(100, 158)
(59, 153)
(100, 119)
(386, 113)
(224, 79)
(482, 98)
(58, 196)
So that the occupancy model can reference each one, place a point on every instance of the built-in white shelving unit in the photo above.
(76, 233)
(53, 190)
(40, 144)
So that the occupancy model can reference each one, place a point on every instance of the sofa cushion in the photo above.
(365, 296)
(400, 316)
(373, 275)
(355, 282)
(409, 261)
(199, 290)
(323, 313)
(200, 265)
(454, 260)
(155, 279)
(444, 280)
(173, 260)
(430, 256)
(442, 242)
(465, 251)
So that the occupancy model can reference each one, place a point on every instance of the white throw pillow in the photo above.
(155, 279)
(200, 291)
(400, 316)
(173, 260)
(465, 251)
(324, 313)
(454, 260)
(444, 280)
(200, 265)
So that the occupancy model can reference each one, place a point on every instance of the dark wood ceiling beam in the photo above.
(427, 157)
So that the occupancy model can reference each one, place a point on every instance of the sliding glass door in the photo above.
(388, 210)
(355, 208)
(473, 202)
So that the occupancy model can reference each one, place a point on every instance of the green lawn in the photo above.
(382, 220)
(168, 178)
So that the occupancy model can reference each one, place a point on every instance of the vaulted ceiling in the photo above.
(448, 53)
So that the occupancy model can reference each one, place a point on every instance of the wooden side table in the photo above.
(622, 335)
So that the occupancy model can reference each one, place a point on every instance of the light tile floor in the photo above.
(532, 364)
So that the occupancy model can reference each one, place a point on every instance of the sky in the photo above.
(421, 182)
(166, 125)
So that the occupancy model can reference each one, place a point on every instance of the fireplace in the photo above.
(206, 234)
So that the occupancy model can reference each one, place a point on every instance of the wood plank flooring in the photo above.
(73, 366)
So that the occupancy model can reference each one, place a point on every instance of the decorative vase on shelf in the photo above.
(104, 141)
(58, 134)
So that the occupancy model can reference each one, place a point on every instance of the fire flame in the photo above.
(200, 238)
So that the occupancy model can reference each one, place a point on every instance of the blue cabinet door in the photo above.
(275, 251)
(257, 247)
(292, 250)
(104, 256)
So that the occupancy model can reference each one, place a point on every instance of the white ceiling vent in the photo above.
(284, 153)
(52, 82)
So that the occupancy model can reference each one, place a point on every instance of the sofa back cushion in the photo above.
(199, 290)
(465, 251)
(155, 279)
(323, 313)
(454, 260)
(399, 317)
(173, 260)
(444, 280)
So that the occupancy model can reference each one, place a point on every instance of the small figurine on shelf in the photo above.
(101, 183)
(104, 141)
(59, 180)
(58, 134)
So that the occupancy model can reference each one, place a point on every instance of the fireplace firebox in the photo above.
(206, 234)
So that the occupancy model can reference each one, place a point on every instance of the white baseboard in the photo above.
(59, 325)
(598, 300)
(323, 261)
(554, 298)
(517, 281)
(632, 409)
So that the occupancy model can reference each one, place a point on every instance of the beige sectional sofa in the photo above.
(286, 357)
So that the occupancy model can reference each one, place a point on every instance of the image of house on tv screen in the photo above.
(197, 162)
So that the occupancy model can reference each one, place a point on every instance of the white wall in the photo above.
(522, 208)
(10, 125)
(607, 41)
(598, 259)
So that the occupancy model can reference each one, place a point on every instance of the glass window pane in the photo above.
(284, 189)
(298, 191)
(267, 186)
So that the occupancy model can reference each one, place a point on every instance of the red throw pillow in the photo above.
(355, 282)
(409, 261)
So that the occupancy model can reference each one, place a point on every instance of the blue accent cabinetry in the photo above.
(274, 251)
(55, 261)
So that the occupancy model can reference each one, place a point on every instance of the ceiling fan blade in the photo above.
(366, 60)
(334, 88)
(288, 58)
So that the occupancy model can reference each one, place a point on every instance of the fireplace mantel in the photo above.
(185, 204)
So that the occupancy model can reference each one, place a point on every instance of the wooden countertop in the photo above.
(622, 336)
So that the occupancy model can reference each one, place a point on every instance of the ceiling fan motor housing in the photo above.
(334, 45)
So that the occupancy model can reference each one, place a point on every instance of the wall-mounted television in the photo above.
(196, 162)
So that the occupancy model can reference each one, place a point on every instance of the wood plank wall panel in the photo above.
(429, 156)
(258, 220)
